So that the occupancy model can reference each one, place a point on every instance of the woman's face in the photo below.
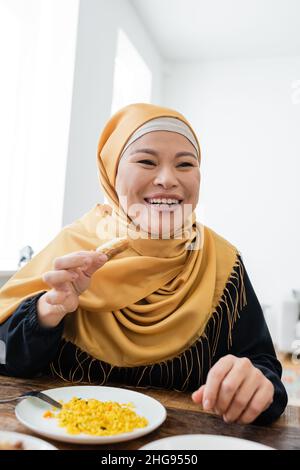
(158, 182)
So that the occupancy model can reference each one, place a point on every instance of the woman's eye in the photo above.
(147, 162)
(150, 162)
(185, 164)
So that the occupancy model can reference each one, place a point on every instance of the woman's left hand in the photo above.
(236, 390)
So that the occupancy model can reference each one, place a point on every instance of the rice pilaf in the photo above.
(97, 418)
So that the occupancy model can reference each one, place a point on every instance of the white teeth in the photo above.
(163, 201)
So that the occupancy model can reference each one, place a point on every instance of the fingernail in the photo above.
(206, 405)
(102, 258)
(194, 395)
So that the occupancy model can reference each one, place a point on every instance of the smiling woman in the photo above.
(175, 309)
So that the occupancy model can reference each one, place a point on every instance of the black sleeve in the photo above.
(251, 339)
(26, 346)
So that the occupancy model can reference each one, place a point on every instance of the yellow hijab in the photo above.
(149, 303)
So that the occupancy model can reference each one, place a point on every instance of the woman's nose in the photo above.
(165, 177)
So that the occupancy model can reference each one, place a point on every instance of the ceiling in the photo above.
(189, 30)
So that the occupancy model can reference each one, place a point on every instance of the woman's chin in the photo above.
(161, 231)
(160, 226)
(153, 222)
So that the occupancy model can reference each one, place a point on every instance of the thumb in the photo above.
(197, 396)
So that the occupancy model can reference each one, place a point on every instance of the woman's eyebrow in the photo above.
(153, 152)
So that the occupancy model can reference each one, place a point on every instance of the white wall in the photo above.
(247, 116)
(99, 21)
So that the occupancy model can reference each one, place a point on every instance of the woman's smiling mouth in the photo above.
(163, 203)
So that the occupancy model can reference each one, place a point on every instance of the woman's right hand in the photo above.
(70, 278)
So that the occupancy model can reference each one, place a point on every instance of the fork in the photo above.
(33, 393)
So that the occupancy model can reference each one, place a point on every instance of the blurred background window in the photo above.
(35, 94)
(132, 76)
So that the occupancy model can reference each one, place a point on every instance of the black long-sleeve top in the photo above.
(27, 349)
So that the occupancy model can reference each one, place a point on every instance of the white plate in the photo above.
(30, 413)
(29, 442)
(204, 442)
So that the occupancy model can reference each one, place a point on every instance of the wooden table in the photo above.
(183, 417)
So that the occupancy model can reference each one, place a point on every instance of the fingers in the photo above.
(57, 278)
(56, 297)
(88, 261)
(235, 389)
(214, 380)
(242, 398)
(197, 396)
(93, 263)
(261, 400)
(241, 370)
